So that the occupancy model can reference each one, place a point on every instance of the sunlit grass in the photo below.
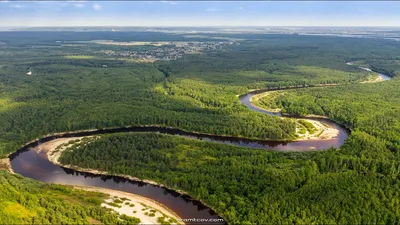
(79, 57)
(7, 103)
(14, 209)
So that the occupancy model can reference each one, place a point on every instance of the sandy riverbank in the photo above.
(135, 206)
(5, 164)
(376, 80)
(323, 131)
(144, 207)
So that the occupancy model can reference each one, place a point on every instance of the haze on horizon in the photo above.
(196, 13)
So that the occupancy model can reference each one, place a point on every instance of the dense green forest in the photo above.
(24, 201)
(194, 93)
(71, 89)
(251, 186)
(372, 111)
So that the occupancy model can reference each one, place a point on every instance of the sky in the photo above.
(199, 13)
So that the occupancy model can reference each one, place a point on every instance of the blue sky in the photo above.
(196, 13)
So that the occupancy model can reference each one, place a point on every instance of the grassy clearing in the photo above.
(79, 57)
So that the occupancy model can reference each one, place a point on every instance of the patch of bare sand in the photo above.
(54, 153)
(376, 80)
(147, 210)
(6, 165)
(145, 60)
(324, 131)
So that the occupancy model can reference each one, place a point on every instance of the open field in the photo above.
(79, 57)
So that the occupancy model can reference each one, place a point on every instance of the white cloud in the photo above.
(79, 5)
(212, 10)
(76, 4)
(97, 7)
(170, 2)
(17, 6)
(244, 8)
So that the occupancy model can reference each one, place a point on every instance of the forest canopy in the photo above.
(250, 185)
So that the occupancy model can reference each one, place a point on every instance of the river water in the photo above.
(34, 164)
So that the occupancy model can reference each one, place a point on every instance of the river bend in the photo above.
(34, 164)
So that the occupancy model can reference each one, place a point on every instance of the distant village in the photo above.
(169, 50)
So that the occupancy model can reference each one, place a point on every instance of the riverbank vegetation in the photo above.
(25, 201)
(247, 186)
(310, 128)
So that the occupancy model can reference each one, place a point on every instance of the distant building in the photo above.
(104, 66)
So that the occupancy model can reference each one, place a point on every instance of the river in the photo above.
(34, 164)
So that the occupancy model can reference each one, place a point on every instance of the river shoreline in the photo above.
(107, 130)
(187, 132)
(324, 131)
(53, 155)
(260, 93)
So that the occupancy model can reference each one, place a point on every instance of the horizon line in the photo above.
(205, 26)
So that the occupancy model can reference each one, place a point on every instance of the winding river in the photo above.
(30, 162)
